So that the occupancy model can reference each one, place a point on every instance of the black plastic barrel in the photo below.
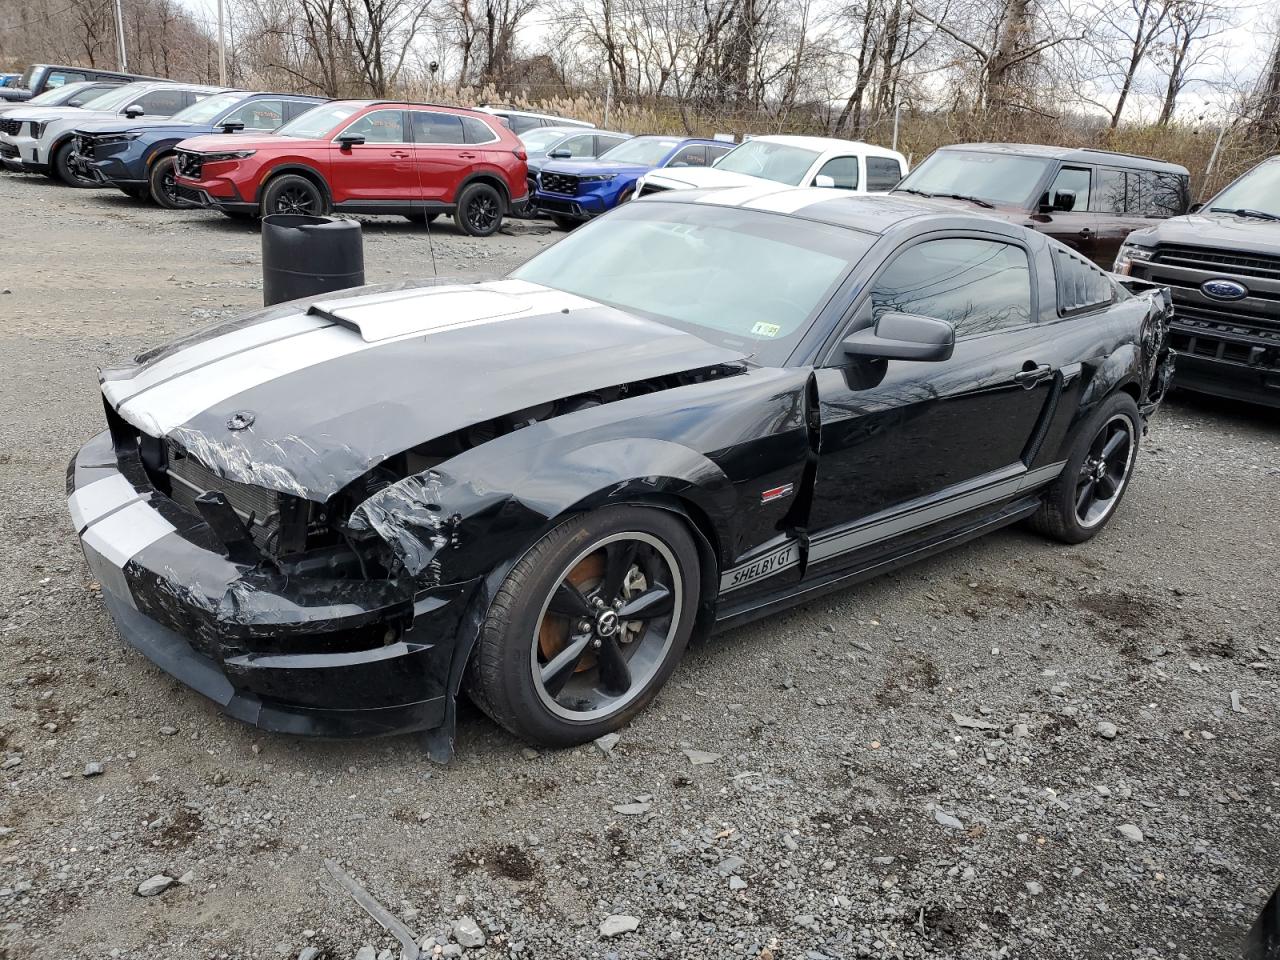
(303, 256)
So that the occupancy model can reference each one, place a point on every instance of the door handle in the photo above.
(399, 155)
(1030, 375)
(467, 156)
(1086, 232)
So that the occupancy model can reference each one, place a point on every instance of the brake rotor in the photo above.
(553, 633)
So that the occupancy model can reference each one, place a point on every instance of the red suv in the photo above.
(362, 156)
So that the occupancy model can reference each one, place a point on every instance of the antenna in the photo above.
(426, 220)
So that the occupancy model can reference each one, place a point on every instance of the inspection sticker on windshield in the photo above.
(763, 329)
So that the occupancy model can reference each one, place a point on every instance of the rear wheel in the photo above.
(588, 626)
(1085, 496)
(563, 222)
(164, 186)
(65, 172)
(479, 211)
(291, 193)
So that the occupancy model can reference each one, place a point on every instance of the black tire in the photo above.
(421, 217)
(291, 193)
(479, 210)
(63, 170)
(163, 188)
(1087, 493)
(507, 676)
(564, 223)
(626, 195)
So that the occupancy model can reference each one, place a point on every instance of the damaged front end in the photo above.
(310, 563)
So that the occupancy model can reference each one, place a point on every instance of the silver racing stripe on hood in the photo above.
(167, 394)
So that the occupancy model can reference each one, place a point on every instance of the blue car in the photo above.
(137, 155)
(575, 190)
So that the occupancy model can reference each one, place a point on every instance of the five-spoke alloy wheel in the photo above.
(588, 625)
(1097, 473)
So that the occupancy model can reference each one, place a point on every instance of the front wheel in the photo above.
(588, 626)
(291, 193)
(164, 186)
(1085, 496)
(479, 211)
(64, 170)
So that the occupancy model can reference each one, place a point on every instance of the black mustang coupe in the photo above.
(331, 516)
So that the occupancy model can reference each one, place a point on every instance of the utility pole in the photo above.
(124, 54)
(608, 101)
(222, 45)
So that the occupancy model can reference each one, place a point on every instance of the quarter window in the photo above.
(60, 78)
(1081, 286)
(477, 131)
(436, 127)
(715, 153)
(607, 143)
(1158, 194)
(843, 170)
(1109, 195)
(978, 286)
(381, 126)
(883, 173)
(519, 124)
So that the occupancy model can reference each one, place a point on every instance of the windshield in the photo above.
(994, 177)
(772, 161)
(59, 94)
(316, 123)
(1259, 189)
(205, 110)
(743, 279)
(646, 151)
(540, 140)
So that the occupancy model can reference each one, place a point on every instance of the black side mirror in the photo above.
(903, 336)
(133, 111)
(561, 154)
(349, 141)
(1195, 208)
(1063, 201)
(232, 126)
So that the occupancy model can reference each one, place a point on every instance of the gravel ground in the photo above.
(1017, 749)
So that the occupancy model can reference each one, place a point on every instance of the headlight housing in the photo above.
(598, 177)
(1128, 254)
(37, 128)
(227, 155)
(118, 138)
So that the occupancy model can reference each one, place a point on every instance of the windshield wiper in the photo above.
(946, 196)
(1245, 212)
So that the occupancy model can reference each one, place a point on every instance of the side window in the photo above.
(258, 115)
(1158, 194)
(61, 77)
(607, 143)
(1081, 286)
(162, 103)
(88, 93)
(883, 173)
(579, 146)
(436, 127)
(978, 286)
(843, 170)
(1109, 191)
(381, 126)
(715, 153)
(477, 131)
(1075, 180)
(519, 124)
(694, 155)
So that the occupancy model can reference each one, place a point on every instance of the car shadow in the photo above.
(1239, 412)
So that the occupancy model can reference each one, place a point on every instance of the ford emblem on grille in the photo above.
(240, 420)
(1224, 289)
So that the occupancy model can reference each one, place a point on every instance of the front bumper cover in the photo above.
(290, 655)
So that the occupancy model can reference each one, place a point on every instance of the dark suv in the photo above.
(1223, 265)
(1089, 199)
(39, 77)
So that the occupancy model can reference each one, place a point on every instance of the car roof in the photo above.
(867, 213)
(823, 144)
(279, 93)
(1072, 155)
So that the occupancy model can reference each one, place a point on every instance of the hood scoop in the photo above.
(387, 316)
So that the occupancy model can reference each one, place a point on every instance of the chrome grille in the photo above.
(564, 183)
(258, 507)
(1217, 261)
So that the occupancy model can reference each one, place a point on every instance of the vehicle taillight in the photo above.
(520, 154)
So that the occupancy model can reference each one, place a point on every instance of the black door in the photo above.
(927, 441)
(1077, 226)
